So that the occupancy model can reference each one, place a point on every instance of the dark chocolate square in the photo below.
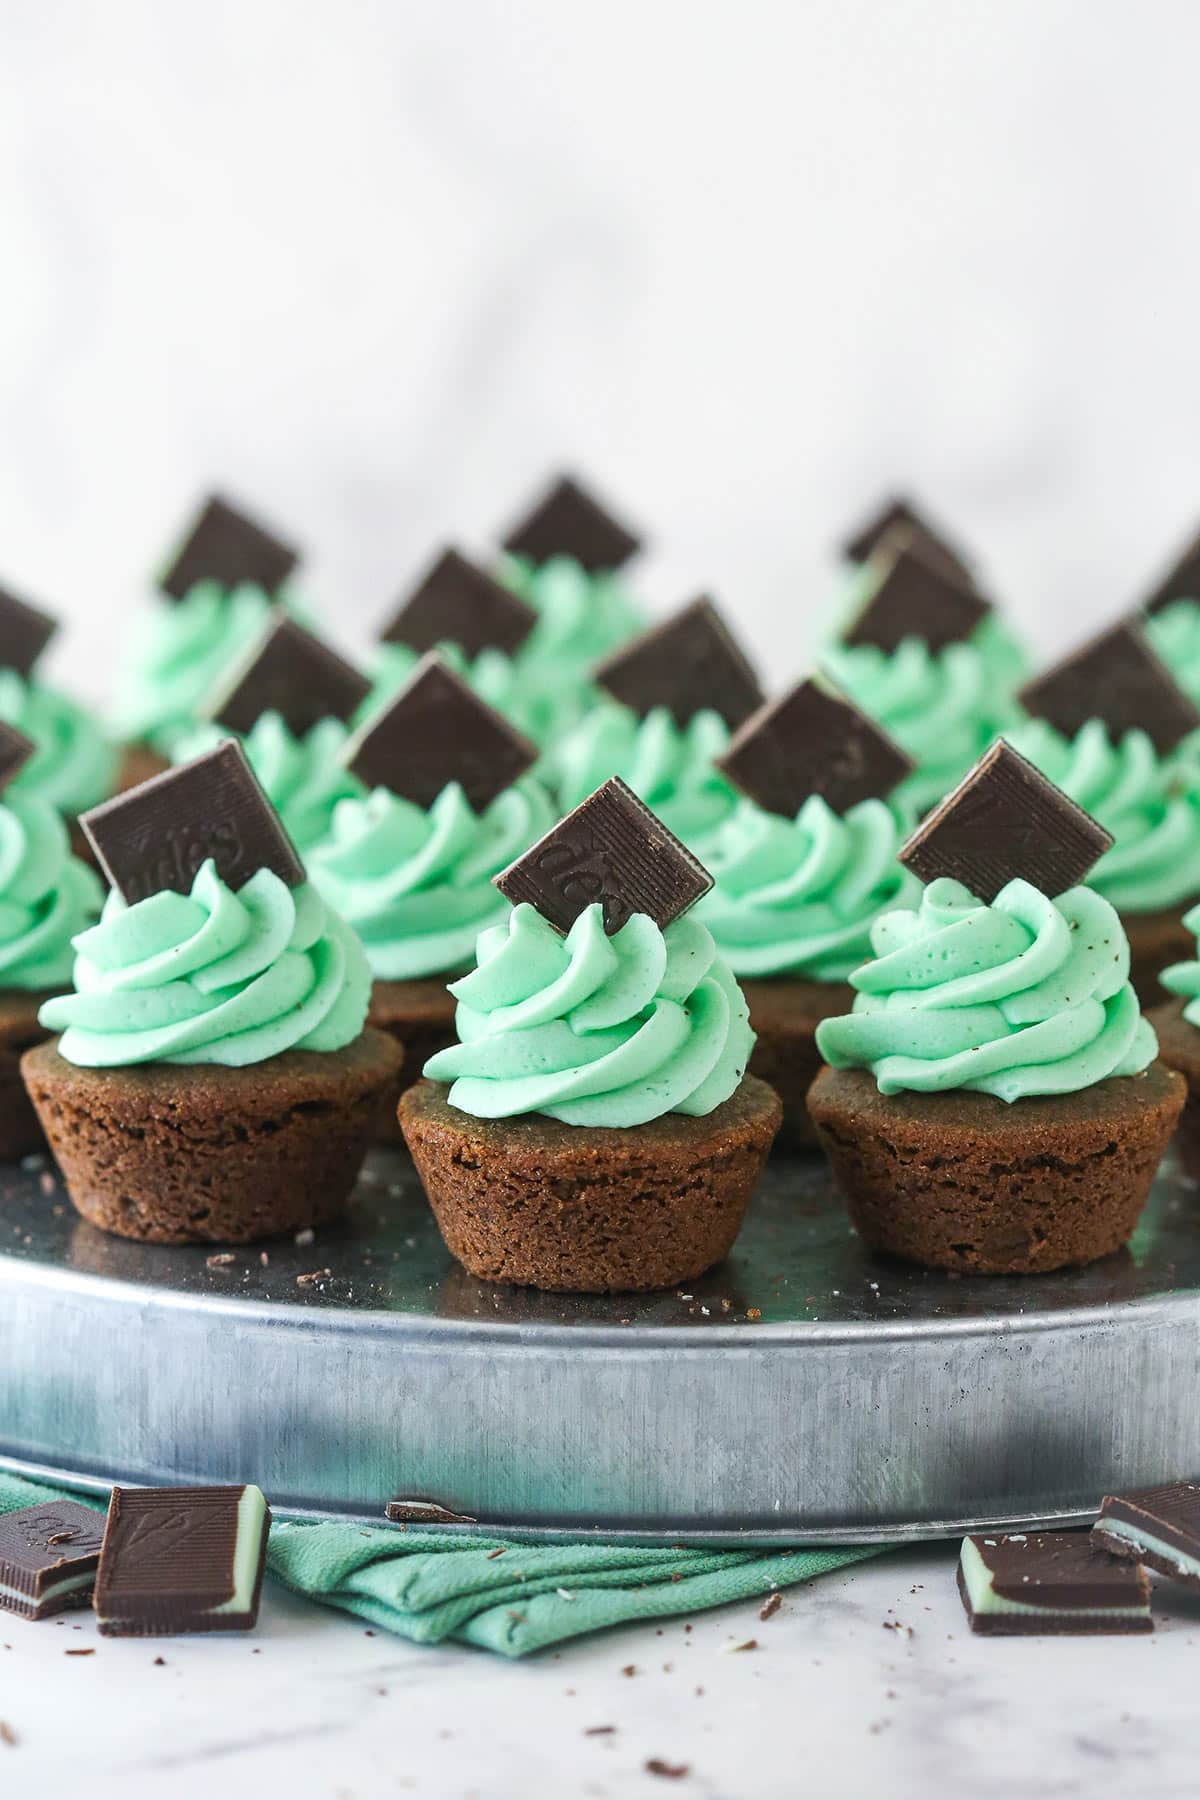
(459, 603)
(813, 741)
(689, 663)
(157, 835)
(864, 541)
(614, 850)
(1115, 677)
(291, 672)
(1003, 821)
(15, 751)
(1166, 1520)
(915, 595)
(1067, 1580)
(169, 1562)
(1181, 581)
(48, 1557)
(25, 631)
(228, 547)
(568, 521)
(435, 731)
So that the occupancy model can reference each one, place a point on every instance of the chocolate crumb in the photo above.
(46, 1182)
(62, 1537)
(736, 1644)
(493, 1554)
(770, 1606)
(754, 1312)
(7, 1734)
(673, 1771)
(79, 1652)
(629, 1669)
(305, 1238)
(221, 1260)
(599, 1730)
(312, 1275)
(160, 1662)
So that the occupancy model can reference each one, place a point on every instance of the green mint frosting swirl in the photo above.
(797, 897)
(581, 617)
(1025, 996)
(179, 653)
(1150, 804)
(303, 778)
(416, 885)
(1175, 634)
(1184, 978)
(670, 767)
(943, 707)
(212, 976)
(74, 765)
(47, 895)
(595, 1030)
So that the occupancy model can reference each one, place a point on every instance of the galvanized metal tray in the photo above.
(802, 1393)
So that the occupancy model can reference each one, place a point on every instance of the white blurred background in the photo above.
(377, 268)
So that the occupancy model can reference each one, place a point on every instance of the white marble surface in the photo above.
(833, 1704)
(378, 267)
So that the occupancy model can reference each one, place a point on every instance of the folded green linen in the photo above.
(509, 1597)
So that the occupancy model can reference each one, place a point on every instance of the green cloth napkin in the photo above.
(512, 1598)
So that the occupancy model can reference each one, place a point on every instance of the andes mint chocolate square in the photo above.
(181, 1559)
(1002, 821)
(226, 546)
(15, 751)
(864, 542)
(568, 521)
(1049, 1583)
(1159, 1526)
(156, 836)
(915, 595)
(24, 633)
(48, 1557)
(687, 664)
(614, 850)
(290, 672)
(436, 731)
(1118, 678)
(812, 741)
(459, 603)
(1181, 582)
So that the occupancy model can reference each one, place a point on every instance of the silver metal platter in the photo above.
(802, 1393)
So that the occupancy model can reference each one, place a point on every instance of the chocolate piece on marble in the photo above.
(1159, 1526)
(181, 1560)
(1050, 1583)
(48, 1557)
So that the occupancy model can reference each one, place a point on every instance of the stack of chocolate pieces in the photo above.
(1067, 1582)
(164, 1561)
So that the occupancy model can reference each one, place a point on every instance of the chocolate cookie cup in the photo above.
(593, 1129)
(801, 870)
(542, 1204)
(1177, 1025)
(213, 1082)
(994, 1104)
(446, 802)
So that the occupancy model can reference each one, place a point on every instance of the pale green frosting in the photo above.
(1025, 996)
(180, 651)
(669, 766)
(595, 1030)
(212, 976)
(1151, 805)
(797, 897)
(581, 618)
(74, 765)
(1184, 977)
(303, 778)
(943, 707)
(47, 895)
(1175, 633)
(501, 680)
(416, 884)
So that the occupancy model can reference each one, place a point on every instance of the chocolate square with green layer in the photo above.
(568, 521)
(228, 547)
(690, 663)
(867, 537)
(915, 594)
(1003, 821)
(435, 731)
(25, 631)
(812, 740)
(157, 836)
(457, 602)
(1115, 677)
(293, 673)
(613, 850)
